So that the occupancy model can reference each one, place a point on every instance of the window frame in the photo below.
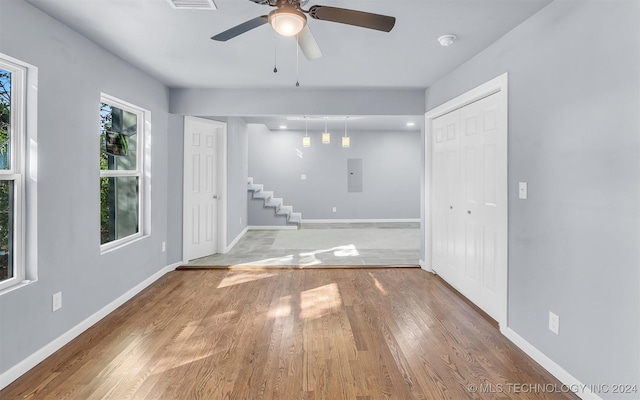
(16, 172)
(139, 172)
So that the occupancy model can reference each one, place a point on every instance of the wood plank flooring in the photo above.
(361, 334)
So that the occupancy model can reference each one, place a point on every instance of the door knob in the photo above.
(468, 212)
(215, 197)
(450, 207)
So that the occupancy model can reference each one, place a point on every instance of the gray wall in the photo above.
(237, 172)
(301, 101)
(72, 73)
(391, 172)
(175, 164)
(574, 102)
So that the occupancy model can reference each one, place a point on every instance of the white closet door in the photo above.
(469, 240)
(446, 182)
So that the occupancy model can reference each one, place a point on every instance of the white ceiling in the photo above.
(175, 46)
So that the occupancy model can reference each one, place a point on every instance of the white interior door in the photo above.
(202, 139)
(469, 202)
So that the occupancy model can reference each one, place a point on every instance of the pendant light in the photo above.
(326, 136)
(306, 140)
(346, 140)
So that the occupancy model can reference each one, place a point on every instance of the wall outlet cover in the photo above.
(57, 301)
(554, 323)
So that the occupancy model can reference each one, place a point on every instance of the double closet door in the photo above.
(469, 202)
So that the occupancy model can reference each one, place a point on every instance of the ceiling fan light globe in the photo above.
(287, 21)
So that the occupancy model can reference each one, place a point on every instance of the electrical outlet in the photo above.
(57, 301)
(164, 246)
(335, 209)
(554, 323)
(303, 177)
(522, 190)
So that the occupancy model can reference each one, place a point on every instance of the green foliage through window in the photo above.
(119, 173)
(6, 195)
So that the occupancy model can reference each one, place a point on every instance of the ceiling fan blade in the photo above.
(308, 44)
(242, 28)
(352, 17)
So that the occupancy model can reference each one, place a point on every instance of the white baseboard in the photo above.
(350, 221)
(424, 266)
(235, 241)
(581, 390)
(271, 228)
(25, 365)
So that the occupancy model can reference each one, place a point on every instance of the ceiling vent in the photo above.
(193, 4)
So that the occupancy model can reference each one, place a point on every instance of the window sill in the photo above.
(112, 246)
(17, 286)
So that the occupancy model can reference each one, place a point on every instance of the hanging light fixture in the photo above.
(346, 140)
(326, 136)
(306, 140)
(287, 21)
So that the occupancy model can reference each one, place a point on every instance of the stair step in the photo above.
(262, 194)
(273, 202)
(284, 210)
(295, 218)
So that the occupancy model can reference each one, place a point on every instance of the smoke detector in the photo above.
(447, 40)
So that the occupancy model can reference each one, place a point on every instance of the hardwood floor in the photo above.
(360, 334)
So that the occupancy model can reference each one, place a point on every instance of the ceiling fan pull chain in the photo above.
(297, 63)
(275, 54)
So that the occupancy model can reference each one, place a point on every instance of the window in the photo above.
(121, 172)
(12, 137)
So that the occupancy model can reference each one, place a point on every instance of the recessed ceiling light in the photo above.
(411, 124)
(283, 127)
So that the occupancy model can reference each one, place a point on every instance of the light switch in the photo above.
(522, 190)
(303, 177)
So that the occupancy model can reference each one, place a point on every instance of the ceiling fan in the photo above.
(289, 19)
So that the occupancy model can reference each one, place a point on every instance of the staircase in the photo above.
(276, 203)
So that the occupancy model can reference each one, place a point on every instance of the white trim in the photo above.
(25, 365)
(495, 85)
(23, 98)
(236, 240)
(222, 185)
(142, 171)
(349, 221)
(424, 266)
(271, 227)
(581, 390)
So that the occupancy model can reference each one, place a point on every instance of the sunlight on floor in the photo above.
(282, 309)
(185, 349)
(237, 278)
(378, 284)
(284, 260)
(320, 301)
(310, 258)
